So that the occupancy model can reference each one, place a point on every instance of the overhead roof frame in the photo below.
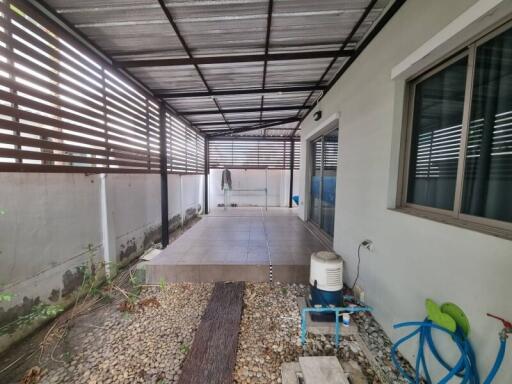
(238, 122)
(169, 94)
(176, 61)
(189, 53)
(245, 110)
(48, 11)
(356, 47)
(363, 17)
(267, 43)
(225, 132)
(394, 7)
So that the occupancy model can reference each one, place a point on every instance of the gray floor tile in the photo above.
(233, 244)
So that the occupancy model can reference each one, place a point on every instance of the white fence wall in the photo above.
(277, 182)
(50, 225)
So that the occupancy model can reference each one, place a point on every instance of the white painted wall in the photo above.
(277, 182)
(136, 207)
(414, 258)
(47, 225)
(49, 221)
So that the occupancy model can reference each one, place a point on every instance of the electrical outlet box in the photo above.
(359, 294)
(368, 244)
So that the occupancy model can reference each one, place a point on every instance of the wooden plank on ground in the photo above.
(213, 354)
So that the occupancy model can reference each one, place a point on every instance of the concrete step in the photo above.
(206, 273)
(314, 370)
(322, 369)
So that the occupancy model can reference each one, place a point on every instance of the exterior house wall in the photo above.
(414, 258)
(51, 225)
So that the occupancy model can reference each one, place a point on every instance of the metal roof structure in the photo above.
(231, 67)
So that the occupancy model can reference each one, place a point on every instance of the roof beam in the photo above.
(189, 53)
(253, 138)
(253, 128)
(380, 23)
(244, 110)
(267, 44)
(358, 23)
(233, 122)
(169, 94)
(93, 48)
(171, 62)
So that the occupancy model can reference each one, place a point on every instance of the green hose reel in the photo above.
(449, 316)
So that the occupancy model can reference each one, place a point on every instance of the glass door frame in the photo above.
(311, 168)
(312, 171)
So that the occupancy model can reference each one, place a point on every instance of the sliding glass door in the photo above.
(324, 155)
(316, 182)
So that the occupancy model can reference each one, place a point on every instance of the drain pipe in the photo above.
(107, 228)
(182, 213)
(164, 197)
(292, 165)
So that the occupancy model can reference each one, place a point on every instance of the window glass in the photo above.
(436, 132)
(316, 181)
(487, 190)
(330, 164)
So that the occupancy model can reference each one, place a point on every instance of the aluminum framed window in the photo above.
(457, 160)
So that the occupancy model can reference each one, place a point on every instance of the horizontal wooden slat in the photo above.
(127, 123)
(119, 107)
(252, 154)
(10, 111)
(32, 116)
(61, 98)
(57, 61)
(45, 144)
(44, 156)
(120, 151)
(58, 112)
(58, 47)
(52, 75)
(24, 167)
(34, 92)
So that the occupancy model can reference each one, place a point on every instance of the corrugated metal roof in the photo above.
(131, 30)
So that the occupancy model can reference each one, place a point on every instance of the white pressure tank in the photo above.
(326, 279)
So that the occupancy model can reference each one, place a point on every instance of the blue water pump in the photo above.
(326, 280)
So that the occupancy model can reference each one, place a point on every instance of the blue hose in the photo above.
(465, 368)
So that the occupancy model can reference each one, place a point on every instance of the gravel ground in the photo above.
(150, 344)
(270, 336)
(146, 346)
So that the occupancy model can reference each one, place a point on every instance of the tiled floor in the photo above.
(239, 244)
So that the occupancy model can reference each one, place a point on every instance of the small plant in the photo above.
(112, 268)
(6, 296)
(106, 297)
(38, 312)
(163, 284)
(126, 315)
(184, 348)
(284, 291)
(66, 357)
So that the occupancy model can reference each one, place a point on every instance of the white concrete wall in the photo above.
(414, 258)
(277, 182)
(136, 207)
(50, 221)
